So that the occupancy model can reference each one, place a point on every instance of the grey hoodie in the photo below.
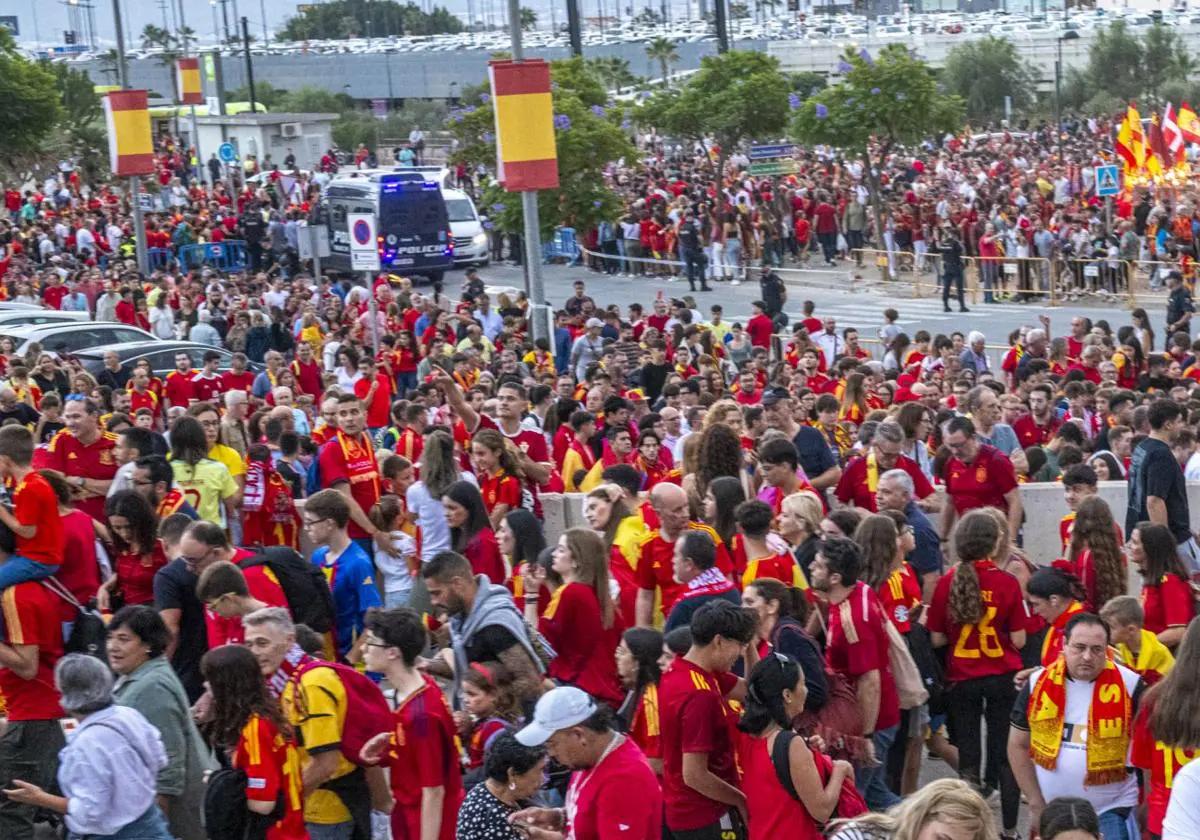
(493, 606)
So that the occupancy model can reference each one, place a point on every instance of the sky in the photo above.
(46, 20)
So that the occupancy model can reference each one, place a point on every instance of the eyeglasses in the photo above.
(312, 523)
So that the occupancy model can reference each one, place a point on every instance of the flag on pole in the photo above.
(1157, 151)
(1188, 123)
(1123, 145)
(1137, 137)
(130, 147)
(1172, 137)
(187, 76)
(526, 150)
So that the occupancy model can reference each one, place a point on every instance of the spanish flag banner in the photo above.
(1137, 138)
(526, 153)
(1124, 146)
(130, 147)
(187, 77)
(1188, 123)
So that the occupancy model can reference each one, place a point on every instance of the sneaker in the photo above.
(735, 282)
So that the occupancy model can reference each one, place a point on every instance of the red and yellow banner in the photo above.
(130, 146)
(526, 154)
(187, 76)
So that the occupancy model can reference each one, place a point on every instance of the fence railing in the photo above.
(230, 255)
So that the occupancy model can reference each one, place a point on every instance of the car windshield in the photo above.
(460, 210)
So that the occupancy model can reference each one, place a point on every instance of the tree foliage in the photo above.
(613, 71)
(663, 51)
(893, 99)
(1123, 68)
(588, 133)
(733, 97)
(348, 19)
(32, 107)
(81, 134)
(984, 72)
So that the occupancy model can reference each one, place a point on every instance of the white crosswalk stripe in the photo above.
(869, 311)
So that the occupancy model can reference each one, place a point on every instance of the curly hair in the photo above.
(975, 538)
(720, 454)
(1095, 530)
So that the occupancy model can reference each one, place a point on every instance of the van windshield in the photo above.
(460, 210)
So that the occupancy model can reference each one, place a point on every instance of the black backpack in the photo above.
(226, 816)
(304, 585)
(920, 645)
(88, 633)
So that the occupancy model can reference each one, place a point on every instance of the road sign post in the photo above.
(364, 257)
(1108, 184)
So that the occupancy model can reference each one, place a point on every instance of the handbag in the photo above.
(910, 686)
(850, 802)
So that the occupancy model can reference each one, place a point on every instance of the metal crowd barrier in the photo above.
(230, 255)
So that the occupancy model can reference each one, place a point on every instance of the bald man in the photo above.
(656, 553)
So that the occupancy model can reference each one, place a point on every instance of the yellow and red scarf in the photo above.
(1053, 642)
(1108, 722)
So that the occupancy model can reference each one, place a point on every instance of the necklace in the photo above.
(574, 790)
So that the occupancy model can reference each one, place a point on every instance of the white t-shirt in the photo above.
(431, 518)
(1066, 779)
(1182, 821)
(396, 577)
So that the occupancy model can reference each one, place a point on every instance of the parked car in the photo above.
(31, 316)
(160, 353)
(66, 338)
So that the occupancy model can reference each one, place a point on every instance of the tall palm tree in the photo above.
(613, 71)
(663, 51)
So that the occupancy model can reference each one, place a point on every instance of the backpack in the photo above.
(87, 632)
(226, 816)
(303, 584)
(920, 645)
(850, 802)
(367, 711)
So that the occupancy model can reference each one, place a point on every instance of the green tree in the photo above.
(985, 71)
(1165, 59)
(348, 19)
(81, 133)
(648, 17)
(588, 135)
(1114, 66)
(31, 104)
(529, 19)
(663, 51)
(733, 97)
(264, 94)
(613, 71)
(806, 84)
(881, 103)
(313, 100)
(156, 37)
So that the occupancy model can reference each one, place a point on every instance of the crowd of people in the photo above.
(332, 608)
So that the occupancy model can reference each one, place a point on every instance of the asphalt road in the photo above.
(860, 305)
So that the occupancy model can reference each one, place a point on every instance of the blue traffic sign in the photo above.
(227, 152)
(769, 152)
(1108, 180)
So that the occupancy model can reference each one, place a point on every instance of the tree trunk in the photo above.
(872, 179)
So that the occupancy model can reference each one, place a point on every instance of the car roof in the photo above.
(27, 330)
(133, 349)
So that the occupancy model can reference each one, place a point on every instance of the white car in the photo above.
(470, 239)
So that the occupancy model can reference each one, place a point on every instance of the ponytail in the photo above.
(975, 538)
(764, 694)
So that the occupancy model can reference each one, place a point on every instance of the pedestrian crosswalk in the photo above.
(867, 310)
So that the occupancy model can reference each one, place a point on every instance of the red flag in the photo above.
(1158, 148)
(1172, 136)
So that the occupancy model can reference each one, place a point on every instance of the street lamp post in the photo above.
(1069, 35)
(134, 184)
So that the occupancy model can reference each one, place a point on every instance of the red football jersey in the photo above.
(985, 648)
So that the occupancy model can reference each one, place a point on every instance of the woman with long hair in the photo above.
(639, 672)
(720, 454)
(782, 613)
(885, 544)
(471, 533)
(854, 406)
(581, 622)
(1166, 730)
(775, 695)
(209, 480)
(439, 470)
(1094, 555)
(724, 493)
(246, 722)
(942, 808)
(608, 514)
(499, 474)
(137, 553)
(521, 541)
(917, 422)
(1166, 591)
(983, 639)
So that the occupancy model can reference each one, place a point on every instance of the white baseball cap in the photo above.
(557, 709)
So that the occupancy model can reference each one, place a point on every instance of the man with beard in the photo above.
(485, 626)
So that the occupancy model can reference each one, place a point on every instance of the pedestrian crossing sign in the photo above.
(1108, 181)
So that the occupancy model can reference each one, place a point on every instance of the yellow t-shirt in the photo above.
(228, 456)
(318, 719)
(205, 486)
(1153, 657)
